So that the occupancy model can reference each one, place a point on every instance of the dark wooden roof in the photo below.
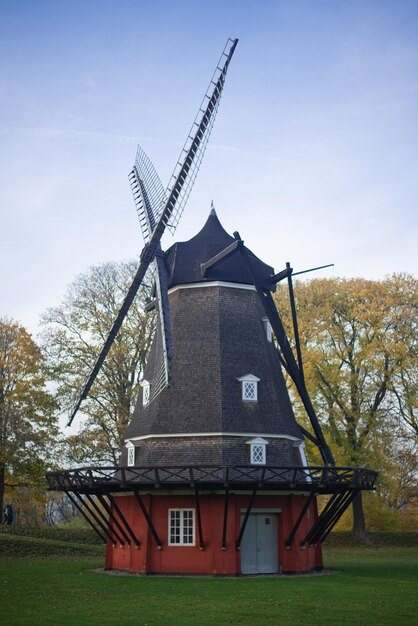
(184, 259)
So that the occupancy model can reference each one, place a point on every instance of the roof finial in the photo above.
(212, 208)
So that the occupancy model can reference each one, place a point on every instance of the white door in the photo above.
(259, 553)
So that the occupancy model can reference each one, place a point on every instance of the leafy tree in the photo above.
(360, 360)
(28, 425)
(74, 335)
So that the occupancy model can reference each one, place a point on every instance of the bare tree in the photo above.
(74, 334)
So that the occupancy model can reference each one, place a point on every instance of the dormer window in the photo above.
(131, 454)
(249, 387)
(131, 448)
(146, 392)
(257, 451)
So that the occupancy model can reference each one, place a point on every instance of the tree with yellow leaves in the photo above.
(359, 345)
(27, 419)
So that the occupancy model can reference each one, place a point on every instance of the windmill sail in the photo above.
(148, 193)
(149, 197)
(178, 191)
(162, 372)
(188, 163)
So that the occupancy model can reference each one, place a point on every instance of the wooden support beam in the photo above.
(105, 520)
(245, 520)
(124, 520)
(321, 517)
(331, 525)
(339, 509)
(330, 512)
(148, 519)
(221, 256)
(281, 275)
(199, 519)
(87, 518)
(104, 526)
(308, 435)
(298, 522)
(114, 519)
(295, 322)
(225, 524)
(333, 516)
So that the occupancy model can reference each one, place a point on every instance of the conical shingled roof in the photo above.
(184, 259)
(218, 336)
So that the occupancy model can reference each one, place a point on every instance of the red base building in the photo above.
(261, 551)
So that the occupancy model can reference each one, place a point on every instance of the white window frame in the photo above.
(146, 392)
(249, 379)
(182, 526)
(131, 446)
(131, 454)
(258, 445)
(249, 390)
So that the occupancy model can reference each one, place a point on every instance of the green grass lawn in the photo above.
(373, 585)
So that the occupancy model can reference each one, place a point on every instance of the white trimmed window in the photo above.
(249, 387)
(257, 451)
(131, 447)
(181, 526)
(131, 454)
(146, 391)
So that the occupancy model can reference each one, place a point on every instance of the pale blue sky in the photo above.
(313, 157)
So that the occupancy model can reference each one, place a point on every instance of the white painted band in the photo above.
(212, 283)
(173, 435)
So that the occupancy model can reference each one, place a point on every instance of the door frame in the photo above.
(270, 511)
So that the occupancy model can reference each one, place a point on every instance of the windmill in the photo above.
(213, 478)
(158, 210)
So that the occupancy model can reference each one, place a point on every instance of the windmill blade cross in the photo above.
(154, 219)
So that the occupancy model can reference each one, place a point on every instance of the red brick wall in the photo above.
(212, 560)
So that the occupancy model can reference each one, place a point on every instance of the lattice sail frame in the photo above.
(159, 378)
(150, 200)
(148, 192)
(210, 101)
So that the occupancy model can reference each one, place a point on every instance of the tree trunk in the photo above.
(359, 524)
(1, 493)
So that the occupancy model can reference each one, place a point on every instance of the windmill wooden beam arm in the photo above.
(281, 275)
(289, 271)
(308, 435)
(295, 323)
(221, 256)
